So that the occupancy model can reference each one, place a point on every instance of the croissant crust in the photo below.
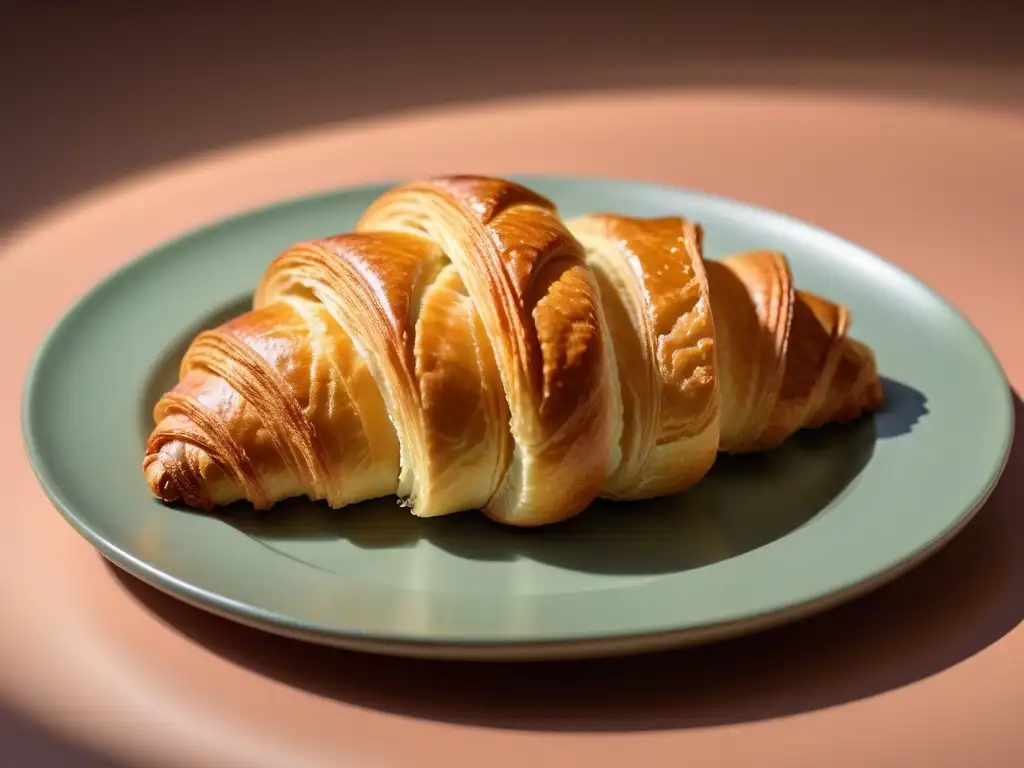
(466, 348)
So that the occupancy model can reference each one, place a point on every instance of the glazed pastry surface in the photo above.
(466, 348)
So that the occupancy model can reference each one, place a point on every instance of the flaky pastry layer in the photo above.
(464, 348)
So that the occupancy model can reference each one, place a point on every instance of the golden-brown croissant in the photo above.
(464, 348)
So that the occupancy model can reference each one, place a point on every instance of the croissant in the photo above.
(465, 348)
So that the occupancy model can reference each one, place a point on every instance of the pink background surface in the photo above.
(921, 163)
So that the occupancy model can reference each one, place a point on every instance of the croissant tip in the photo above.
(870, 400)
(161, 481)
(166, 487)
(876, 396)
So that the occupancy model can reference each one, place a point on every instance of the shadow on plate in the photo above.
(903, 408)
(744, 503)
(955, 605)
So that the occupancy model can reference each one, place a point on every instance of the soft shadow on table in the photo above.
(955, 605)
(168, 81)
(24, 742)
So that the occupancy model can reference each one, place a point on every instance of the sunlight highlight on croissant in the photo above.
(464, 348)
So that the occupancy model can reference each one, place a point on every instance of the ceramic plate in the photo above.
(762, 540)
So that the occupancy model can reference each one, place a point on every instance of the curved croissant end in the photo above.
(780, 351)
(273, 404)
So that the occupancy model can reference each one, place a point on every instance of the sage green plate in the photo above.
(762, 540)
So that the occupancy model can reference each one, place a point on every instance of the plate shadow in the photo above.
(744, 503)
(955, 605)
(903, 408)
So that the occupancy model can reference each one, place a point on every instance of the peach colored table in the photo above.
(929, 671)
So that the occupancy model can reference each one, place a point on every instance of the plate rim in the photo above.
(578, 645)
